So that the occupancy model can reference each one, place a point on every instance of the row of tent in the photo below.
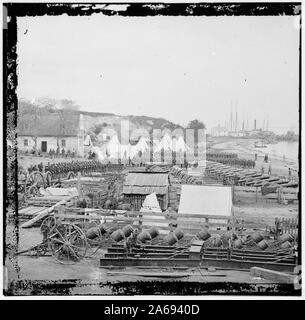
(114, 149)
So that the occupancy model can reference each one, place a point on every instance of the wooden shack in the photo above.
(140, 184)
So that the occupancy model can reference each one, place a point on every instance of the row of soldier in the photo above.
(244, 163)
(221, 155)
(69, 166)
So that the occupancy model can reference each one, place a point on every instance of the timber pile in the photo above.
(27, 213)
(107, 186)
(37, 206)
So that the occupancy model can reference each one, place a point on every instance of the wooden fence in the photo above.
(191, 224)
(285, 225)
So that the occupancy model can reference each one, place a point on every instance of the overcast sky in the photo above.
(178, 68)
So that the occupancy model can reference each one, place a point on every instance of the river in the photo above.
(287, 151)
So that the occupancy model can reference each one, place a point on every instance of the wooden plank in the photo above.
(272, 275)
(137, 213)
(164, 262)
(286, 196)
(42, 215)
(24, 210)
(245, 189)
(135, 219)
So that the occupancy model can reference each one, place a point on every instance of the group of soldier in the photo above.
(62, 153)
(244, 163)
(223, 155)
(74, 166)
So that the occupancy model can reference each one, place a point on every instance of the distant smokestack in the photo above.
(254, 124)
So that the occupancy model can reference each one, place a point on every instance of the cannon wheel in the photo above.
(70, 175)
(47, 224)
(35, 180)
(67, 243)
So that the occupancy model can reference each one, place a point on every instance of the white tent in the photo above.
(125, 151)
(151, 204)
(113, 147)
(142, 145)
(166, 143)
(181, 145)
(100, 152)
(87, 140)
(206, 200)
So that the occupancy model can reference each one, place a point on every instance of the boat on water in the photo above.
(259, 144)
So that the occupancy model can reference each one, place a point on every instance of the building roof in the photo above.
(146, 183)
(48, 125)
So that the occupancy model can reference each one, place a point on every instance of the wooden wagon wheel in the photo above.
(36, 179)
(67, 243)
(47, 225)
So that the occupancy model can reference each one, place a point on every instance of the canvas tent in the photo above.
(166, 143)
(113, 147)
(151, 204)
(179, 145)
(206, 200)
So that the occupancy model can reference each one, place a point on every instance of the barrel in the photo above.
(263, 244)
(144, 236)
(171, 238)
(127, 230)
(238, 244)
(153, 232)
(257, 237)
(102, 228)
(286, 245)
(203, 234)
(117, 235)
(286, 237)
(92, 233)
(179, 234)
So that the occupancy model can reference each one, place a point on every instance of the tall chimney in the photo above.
(255, 124)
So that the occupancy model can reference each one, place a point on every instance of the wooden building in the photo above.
(43, 133)
(140, 184)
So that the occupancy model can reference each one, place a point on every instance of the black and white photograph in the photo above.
(152, 149)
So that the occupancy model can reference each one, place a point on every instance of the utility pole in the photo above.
(231, 119)
(236, 120)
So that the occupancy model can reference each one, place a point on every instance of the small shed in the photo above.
(140, 184)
